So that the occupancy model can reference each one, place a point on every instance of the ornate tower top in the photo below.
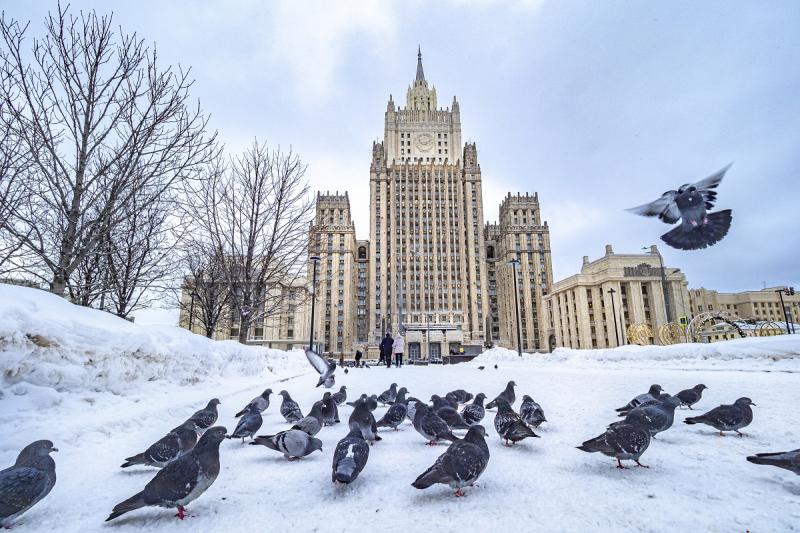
(420, 72)
(419, 96)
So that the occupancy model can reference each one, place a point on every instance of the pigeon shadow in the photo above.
(608, 469)
(151, 471)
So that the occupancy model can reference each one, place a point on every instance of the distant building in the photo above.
(762, 304)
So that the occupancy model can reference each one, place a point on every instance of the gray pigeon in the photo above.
(350, 457)
(372, 402)
(531, 412)
(689, 397)
(787, 460)
(690, 204)
(651, 394)
(396, 413)
(312, 423)
(459, 395)
(205, 418)
(622, 442)
(177, 442)
(292, 443)
(325, 367)
(388, 396)
(290, 411)
(330, 412)
(507, 394)
(439, 402)
(656, 417)
(249, 424)
(509, 425)
(341, 396)
(452, 417)
(30, 479)
(460, 465)
(182, 481)
(362, 419)
(355, 402)
(474, 412)
(649, 401)
(431, 426)
(261, 403)
(727, 417)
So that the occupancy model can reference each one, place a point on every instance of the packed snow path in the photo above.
(697, 480)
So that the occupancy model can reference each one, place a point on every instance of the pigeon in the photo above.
(431, 426)
(622, 442)
(355, 402)
(649, 401)
(495, 366)
(388, 396)
(249, 424)
(372, 402)
(205, 418)
(292, 443)
(507, 394)
(531, 412)
(451, 416)
(312, 423)
(459, 395)
(362, 419)
(396, 413)
(474, 412)
(174, 444)
(727, 417)
(689, 397)
(481, 367)
(439, 402)
(27, 482)
(259, 402)
(341, 396)
(509, 425)
(651, 394)
(330, 412)
(411, 408)
(325, 367)
(787, 460)
(690, 204)
(182, 481)
(350, 457)
(460, 465)
(346, 371)
(656, 417)
(290, 411)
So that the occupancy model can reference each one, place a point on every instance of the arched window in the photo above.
(490, 252)
(362, 252)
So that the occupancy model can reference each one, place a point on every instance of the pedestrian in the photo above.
(386, 350)
(397, 348)
(359, 355)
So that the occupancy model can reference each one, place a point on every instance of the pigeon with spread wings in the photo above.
(690, 204)
(325, 368)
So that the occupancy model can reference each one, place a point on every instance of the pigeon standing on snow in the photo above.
(362, 419)
(531, 412)
(350, 457)
(292, 443)
(363, 397)
(177, 442)
(205, 418)
(25, 484)
(727, 417)
(261, 403)
(652, 394)
(325, 367)
(396, 413)
(439, 402)
(655, 417)
(509, 425)
(330, 412)
(388, 396)
(787, 460)
(341, 396)
(459, 395)
(507, 395)
(290, 411)
(182, 481)
(689, 397)
(448, 414)
(690, 204)
(249, 424)
(312, 423)
(431, 426)
(460, 465)
(474, 412)
(622, 442)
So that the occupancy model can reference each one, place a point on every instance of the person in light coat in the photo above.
(397, 348)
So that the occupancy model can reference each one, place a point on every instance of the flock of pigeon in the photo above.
(188, 455)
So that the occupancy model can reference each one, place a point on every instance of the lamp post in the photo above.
(191, 309)
(514, 263)
(667, 301)
(788, 291)
(314, 259)
(611, 291)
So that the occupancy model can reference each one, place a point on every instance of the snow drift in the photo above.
(49, 342)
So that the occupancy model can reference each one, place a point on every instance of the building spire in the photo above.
(420, 73)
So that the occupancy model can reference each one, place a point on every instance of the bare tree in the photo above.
(103, 123)
(13, 165)
(255, 210)
(206, 285)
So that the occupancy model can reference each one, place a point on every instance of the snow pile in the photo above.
(49, 342)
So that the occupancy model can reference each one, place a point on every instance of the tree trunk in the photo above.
(59, 285)
(244, 327)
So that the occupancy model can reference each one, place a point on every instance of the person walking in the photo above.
(359, 355)
(386, 350)
(397, 348)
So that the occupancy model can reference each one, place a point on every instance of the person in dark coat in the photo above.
(386, 349)
(359, 355)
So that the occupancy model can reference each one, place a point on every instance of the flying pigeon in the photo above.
(292, 443)
(531, 412)
(459, 395)
(460, 465)
(396, 413)
(690, 204)
(431, 426)
(388, 396)
(290, 411)
(249, 424)
(362, 419)
(325, 367)
(182, 481)
(655, 417)
(25, 484)
(622, 442)
(341, 396)
(689, 397)
(350, 457)
(507, 394)
(651, 394)
(330, 412)
(787, 460)
(312, 423)
(259, 402)
(474, 412)
(177, 442)
(727, 417)
(207, 417)
(509, 425)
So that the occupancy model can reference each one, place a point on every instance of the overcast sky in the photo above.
(597, 106)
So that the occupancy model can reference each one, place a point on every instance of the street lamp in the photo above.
(788, 291)
(314, 259)
(514, 263)
(667, 302)
(611, 291)
(191, 309)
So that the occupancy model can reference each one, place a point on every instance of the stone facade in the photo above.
(759, 305)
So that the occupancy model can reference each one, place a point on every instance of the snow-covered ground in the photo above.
(697, 480)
